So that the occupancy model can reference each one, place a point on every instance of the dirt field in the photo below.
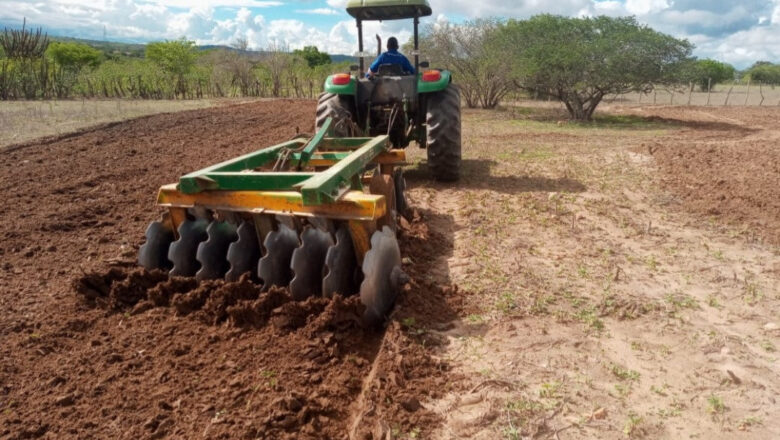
(613, 280)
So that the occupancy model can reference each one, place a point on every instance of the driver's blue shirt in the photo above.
(392, 56)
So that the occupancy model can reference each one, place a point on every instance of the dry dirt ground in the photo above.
(610, 280)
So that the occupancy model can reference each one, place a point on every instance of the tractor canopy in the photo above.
(367, 10)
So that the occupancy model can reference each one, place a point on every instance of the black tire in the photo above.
(443, 131)
(340, 109)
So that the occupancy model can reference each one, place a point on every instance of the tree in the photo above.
(468, 51)
(277, 60)
(710, 72)
(765, 72)
(313, 56)
(73, 55)
(175, 57)
(69, 59)
(581, 60)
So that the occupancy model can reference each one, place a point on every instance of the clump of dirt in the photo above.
(243, 303)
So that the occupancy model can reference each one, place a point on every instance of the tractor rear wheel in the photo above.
(443, 132)
(340, 109)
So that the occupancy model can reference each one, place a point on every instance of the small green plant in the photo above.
(589, 317)
(768, 346)
(476, 319)
(622, 390)
(550, 390)
(632, 426)
(712, 301)
(408, 322)
(681, 301)
(512, 432)
(624, 373)
(661, 391)
(524, 406)
(506, 303)
(271, 378)
(652, 263)
(751, 293)
(715, 405)
(749, 421)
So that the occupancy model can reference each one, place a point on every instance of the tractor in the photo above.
(423, 107)
(319, 214)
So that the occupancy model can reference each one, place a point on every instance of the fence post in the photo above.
(709, 89)
(747, 93)
(654, 93)
(761, 93)
(729, 93)
(671, 96)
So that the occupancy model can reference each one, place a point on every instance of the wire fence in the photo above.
(733, 94)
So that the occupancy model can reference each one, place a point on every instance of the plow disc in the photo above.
(314, 215)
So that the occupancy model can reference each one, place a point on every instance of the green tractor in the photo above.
(424, 107)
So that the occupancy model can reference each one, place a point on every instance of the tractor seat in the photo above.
(391, 70)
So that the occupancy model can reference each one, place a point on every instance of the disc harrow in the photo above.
(317, 215)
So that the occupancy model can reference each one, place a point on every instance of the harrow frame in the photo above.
(321, 177)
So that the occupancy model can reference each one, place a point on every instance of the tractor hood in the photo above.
(367, 10)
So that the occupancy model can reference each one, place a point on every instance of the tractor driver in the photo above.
(392, 56)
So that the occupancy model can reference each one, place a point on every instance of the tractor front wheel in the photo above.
(341, 110)
(443, 132)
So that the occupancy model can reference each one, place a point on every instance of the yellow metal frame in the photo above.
(354, 205)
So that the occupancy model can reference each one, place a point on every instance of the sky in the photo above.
(738, 32)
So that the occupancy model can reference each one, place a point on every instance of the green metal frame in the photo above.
(348, 158)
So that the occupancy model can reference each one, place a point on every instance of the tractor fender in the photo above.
(434, 86)
(341, 89)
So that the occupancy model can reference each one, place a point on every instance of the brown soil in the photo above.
(727, 166)
(93, 348)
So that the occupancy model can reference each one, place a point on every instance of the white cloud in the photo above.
(642, 7)
(318, 11)
(731, 31)
(186, 4)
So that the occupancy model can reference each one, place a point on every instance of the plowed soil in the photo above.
(726, 166)
(93, 348)
(611, 280)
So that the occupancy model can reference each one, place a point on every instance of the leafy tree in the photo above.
(69, 59)
(313, 56)
(711, 72)
(175, 57)
(765, 72)
(581, 60)
(73, 55)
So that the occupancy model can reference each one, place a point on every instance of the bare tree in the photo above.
(466, 50)
(277, 60)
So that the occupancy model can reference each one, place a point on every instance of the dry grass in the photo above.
(22, 121)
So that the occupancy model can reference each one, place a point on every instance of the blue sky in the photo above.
(737, 32)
